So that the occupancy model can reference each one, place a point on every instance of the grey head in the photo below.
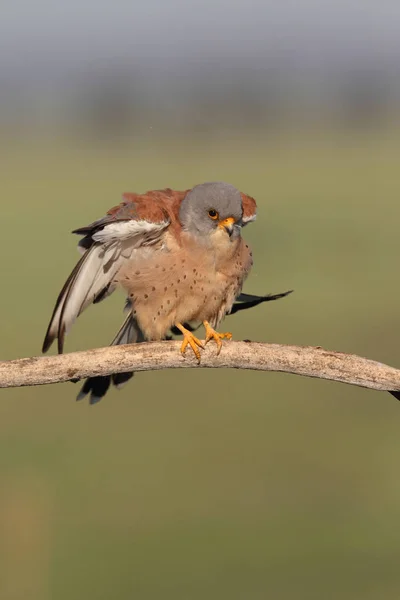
(210, 206)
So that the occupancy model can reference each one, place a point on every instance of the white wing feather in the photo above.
(96, 270)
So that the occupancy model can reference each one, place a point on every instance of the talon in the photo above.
(190, 340)
(211, 334)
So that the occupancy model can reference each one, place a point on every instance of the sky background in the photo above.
(45, 32)
(198, 65)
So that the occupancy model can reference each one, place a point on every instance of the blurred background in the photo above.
(197, 484)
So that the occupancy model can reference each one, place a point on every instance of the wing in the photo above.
(140, 220)
(245, 301)
(249, 209)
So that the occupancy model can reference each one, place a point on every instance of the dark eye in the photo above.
(213, 214)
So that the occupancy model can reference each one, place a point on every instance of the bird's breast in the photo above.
(185, 283)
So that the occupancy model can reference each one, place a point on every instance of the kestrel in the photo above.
(180, 258)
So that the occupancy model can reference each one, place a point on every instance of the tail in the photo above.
(97, 387)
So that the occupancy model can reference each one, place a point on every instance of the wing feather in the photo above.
(93, 278)
(249, 209)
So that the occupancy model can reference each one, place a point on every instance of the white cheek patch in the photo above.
(246, 220)
(124, 230)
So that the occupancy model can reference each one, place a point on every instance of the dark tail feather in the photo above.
(97, 387)
(396, 394)
(120, 379)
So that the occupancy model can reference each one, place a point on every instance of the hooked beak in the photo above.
(228, 225)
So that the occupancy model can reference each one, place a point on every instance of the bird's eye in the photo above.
(213, 214)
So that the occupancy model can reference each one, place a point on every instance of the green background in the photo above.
(208, 484)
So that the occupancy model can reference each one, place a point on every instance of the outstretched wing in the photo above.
(245, 301)
(140, 220)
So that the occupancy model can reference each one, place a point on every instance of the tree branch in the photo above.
(299, 360)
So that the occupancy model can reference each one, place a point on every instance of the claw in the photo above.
(211, 334)
(190, 340)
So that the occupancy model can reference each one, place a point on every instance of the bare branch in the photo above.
(299, 360)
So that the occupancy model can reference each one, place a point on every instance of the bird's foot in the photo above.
(190, 340)
(211, 334)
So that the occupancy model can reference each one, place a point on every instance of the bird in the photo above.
(178, 255)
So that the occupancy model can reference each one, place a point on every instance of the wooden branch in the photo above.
(299, 360)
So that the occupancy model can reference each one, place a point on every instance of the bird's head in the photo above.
(212, 208)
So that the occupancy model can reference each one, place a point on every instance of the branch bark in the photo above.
(299, 360)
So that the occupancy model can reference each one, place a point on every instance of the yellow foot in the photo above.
(211, 334)
(190, 340)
